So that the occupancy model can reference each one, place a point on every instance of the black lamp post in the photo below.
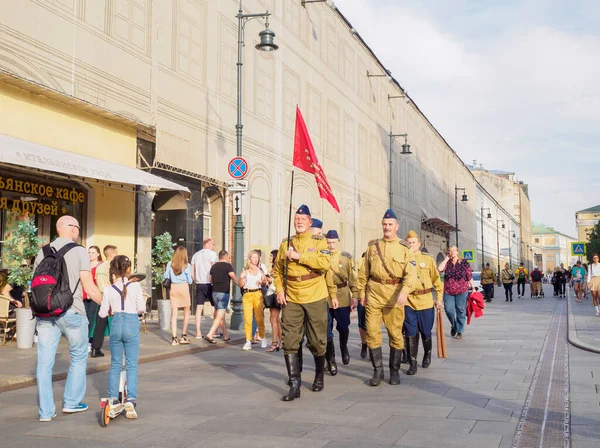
(405, 152)
(463, 199)
(266, 44)
(498, 221)
(489, 216)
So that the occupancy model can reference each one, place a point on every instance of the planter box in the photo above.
(25, 327)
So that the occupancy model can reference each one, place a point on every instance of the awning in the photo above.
(16, 151)
(437, 224)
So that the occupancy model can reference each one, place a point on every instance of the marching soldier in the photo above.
(344, 278)
(316, 227)
(389, 273)
(419, 314)
(305, 301)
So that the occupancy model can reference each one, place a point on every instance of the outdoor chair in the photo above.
(144, 315)
(6, 322)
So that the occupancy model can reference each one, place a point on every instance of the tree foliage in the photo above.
(20, 248)
(161, 255)
(593, 245)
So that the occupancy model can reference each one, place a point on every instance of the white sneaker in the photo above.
(597, 313)
(263, 343)
(90, 347)
(130, 410)
(247, 346)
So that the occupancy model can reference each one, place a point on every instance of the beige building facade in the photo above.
(586, 220)
(551, 248)
(171, 65)
(512, 196)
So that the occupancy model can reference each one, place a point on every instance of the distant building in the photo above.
(551, 248)
(586, 219)
(513, 196)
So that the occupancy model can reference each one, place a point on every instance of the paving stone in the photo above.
(225, 440)
(483, 393)
(408, 409)
(384, 434)
(437, 425)
(259, 424)
(586, 432)
(474, 413)
(427, 439)
(351, 417)
(498, 428)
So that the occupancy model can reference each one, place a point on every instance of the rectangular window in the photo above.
(130, 22)
(291, 98)
(190, 38)
(333, 130)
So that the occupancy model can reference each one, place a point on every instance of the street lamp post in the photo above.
(498, 221)
(463, 199)
(489, 216)
(266, 44)
(405, 152)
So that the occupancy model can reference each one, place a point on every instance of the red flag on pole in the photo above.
(306, 159)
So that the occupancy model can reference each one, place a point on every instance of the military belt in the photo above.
(393, 281)
(301, 278)
(342, 285)
(421, 292)
(244, 291)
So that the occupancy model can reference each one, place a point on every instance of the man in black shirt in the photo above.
(221, 275)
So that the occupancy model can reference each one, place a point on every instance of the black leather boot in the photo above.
(319, 373)
(427, 355)
(330, 357)
(412, 350)
(404, 356)
(395, 356)
(363, 351)
(300, 356)
(293, 368)
(344, 347)
(377, 361)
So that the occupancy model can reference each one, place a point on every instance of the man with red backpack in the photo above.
(61, 269)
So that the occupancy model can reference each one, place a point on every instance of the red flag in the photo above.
(306, 159)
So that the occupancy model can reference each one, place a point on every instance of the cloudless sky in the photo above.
(513, 84)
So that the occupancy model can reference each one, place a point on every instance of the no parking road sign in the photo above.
(238, 168)
(578, 249)
(468, 255)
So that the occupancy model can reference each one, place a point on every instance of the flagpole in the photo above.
(287, 260)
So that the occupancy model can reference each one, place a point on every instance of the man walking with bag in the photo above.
(72, 323)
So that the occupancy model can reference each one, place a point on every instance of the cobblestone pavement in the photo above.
(229, 398)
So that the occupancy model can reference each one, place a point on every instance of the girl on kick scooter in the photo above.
(124, 300)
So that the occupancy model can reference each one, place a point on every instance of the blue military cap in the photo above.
(332, 235)
(389, 214)
(317, 223)
(303, 210)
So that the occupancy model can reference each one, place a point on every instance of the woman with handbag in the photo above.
(508, 278)
(178, 278)
(251, 281)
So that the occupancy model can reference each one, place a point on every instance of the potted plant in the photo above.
(20, 248)
(161, 255)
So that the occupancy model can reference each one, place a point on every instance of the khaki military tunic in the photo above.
(309, 284)
(383, 289)
(344, 278)
(428, 278)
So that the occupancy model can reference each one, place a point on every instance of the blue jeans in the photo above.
(221, 300)
(124, 336)
(456, 310)
(254, 325)
(75, 328)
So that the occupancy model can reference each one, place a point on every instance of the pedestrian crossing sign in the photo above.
(578, 249)
(468, 255)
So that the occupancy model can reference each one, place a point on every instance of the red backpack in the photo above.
(50, 290)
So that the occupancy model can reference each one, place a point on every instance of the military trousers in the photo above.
(342, 319)
(393, 319)
(296, 318)
(420, 321)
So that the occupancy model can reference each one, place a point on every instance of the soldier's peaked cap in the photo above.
(411, 234)
(332, 235)
(317, 223)
(389, 214)
(303, 210)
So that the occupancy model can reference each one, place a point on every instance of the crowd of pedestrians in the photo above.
(310, 285)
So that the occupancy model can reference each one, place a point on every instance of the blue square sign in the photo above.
(468, 255)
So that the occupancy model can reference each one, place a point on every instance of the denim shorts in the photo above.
(221, 300)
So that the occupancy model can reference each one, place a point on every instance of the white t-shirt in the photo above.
(202, 261)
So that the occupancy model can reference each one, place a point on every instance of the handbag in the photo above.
(167, 281)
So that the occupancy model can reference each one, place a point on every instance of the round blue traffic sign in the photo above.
(238, 168)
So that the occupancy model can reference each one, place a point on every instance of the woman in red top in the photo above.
(90, 306)
(457, 278)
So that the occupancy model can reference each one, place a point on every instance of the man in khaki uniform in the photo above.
(488, 278)
(303, 295)
(389, 273)
(342, 270)
(419, 314)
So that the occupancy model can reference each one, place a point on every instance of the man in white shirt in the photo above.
(202, 261)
